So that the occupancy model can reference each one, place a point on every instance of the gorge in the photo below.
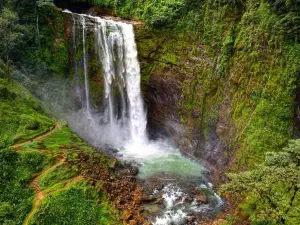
(120, 123)
(149, 112)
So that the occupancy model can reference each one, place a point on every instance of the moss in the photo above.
(235, 57)
(232, 57)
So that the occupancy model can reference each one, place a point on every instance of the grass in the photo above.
(57, 175)
(60, 141)
(66, 194)
(22, 118)
(16, 170)
(21, 115)
(79, 204)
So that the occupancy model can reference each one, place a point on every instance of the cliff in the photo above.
(221, 79)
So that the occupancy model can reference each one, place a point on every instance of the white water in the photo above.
(85, 64)
(117, 53)
(173, 196)
(122, 122)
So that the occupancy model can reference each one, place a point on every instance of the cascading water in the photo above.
(115, 46)
(88, 108)
(118, 55)
(121, 121)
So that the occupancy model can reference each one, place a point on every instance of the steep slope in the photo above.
(21, 114)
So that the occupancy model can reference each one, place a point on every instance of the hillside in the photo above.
(201, 95)
(21, 114)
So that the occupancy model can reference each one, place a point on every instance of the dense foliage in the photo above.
(16, 169)
(32, 41)
(21, 114)
(271, 190)
(77, 205)
(237, 64)
(11, 35)
(162, 13)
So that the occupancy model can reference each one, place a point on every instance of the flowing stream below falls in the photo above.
(119, 123)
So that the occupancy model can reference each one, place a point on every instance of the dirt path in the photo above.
(39, 194)
(57, 126)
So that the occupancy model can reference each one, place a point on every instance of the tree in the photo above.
(41, 3)
(161, 13)
(11, 35)
(271, 191)
(3, 69)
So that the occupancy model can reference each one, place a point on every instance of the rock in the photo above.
(159, 201)
(191, 219)
(134, 170)
(201, 198)
(219, 222)
(188, 199)
(132, 222)
(196, 113)
(128, 216)
(147, 198)
(151, 209)
(113, 163)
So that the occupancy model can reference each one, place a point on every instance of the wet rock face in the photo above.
(175, 99)
(161, 98)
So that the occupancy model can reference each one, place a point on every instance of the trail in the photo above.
(39, 194)
(57, 126)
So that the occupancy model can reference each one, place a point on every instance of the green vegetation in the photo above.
(271, 191)
(21, 114)
(64, 141)
(11, 35)
(55, 176)
(76, 205)
(65, 193)
(235, 65)
(155, 13)
(33, 42)
(62, 186)
(16, 170)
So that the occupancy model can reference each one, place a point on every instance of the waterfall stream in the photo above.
(85, 62)
(120, 122)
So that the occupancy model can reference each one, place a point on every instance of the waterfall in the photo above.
(137, 115)
(115, 46)
(74, 61)
(118, 118)
(85, 69)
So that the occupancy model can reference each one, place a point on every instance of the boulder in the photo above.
(201, 198)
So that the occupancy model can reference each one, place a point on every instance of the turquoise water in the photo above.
(174, 164)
